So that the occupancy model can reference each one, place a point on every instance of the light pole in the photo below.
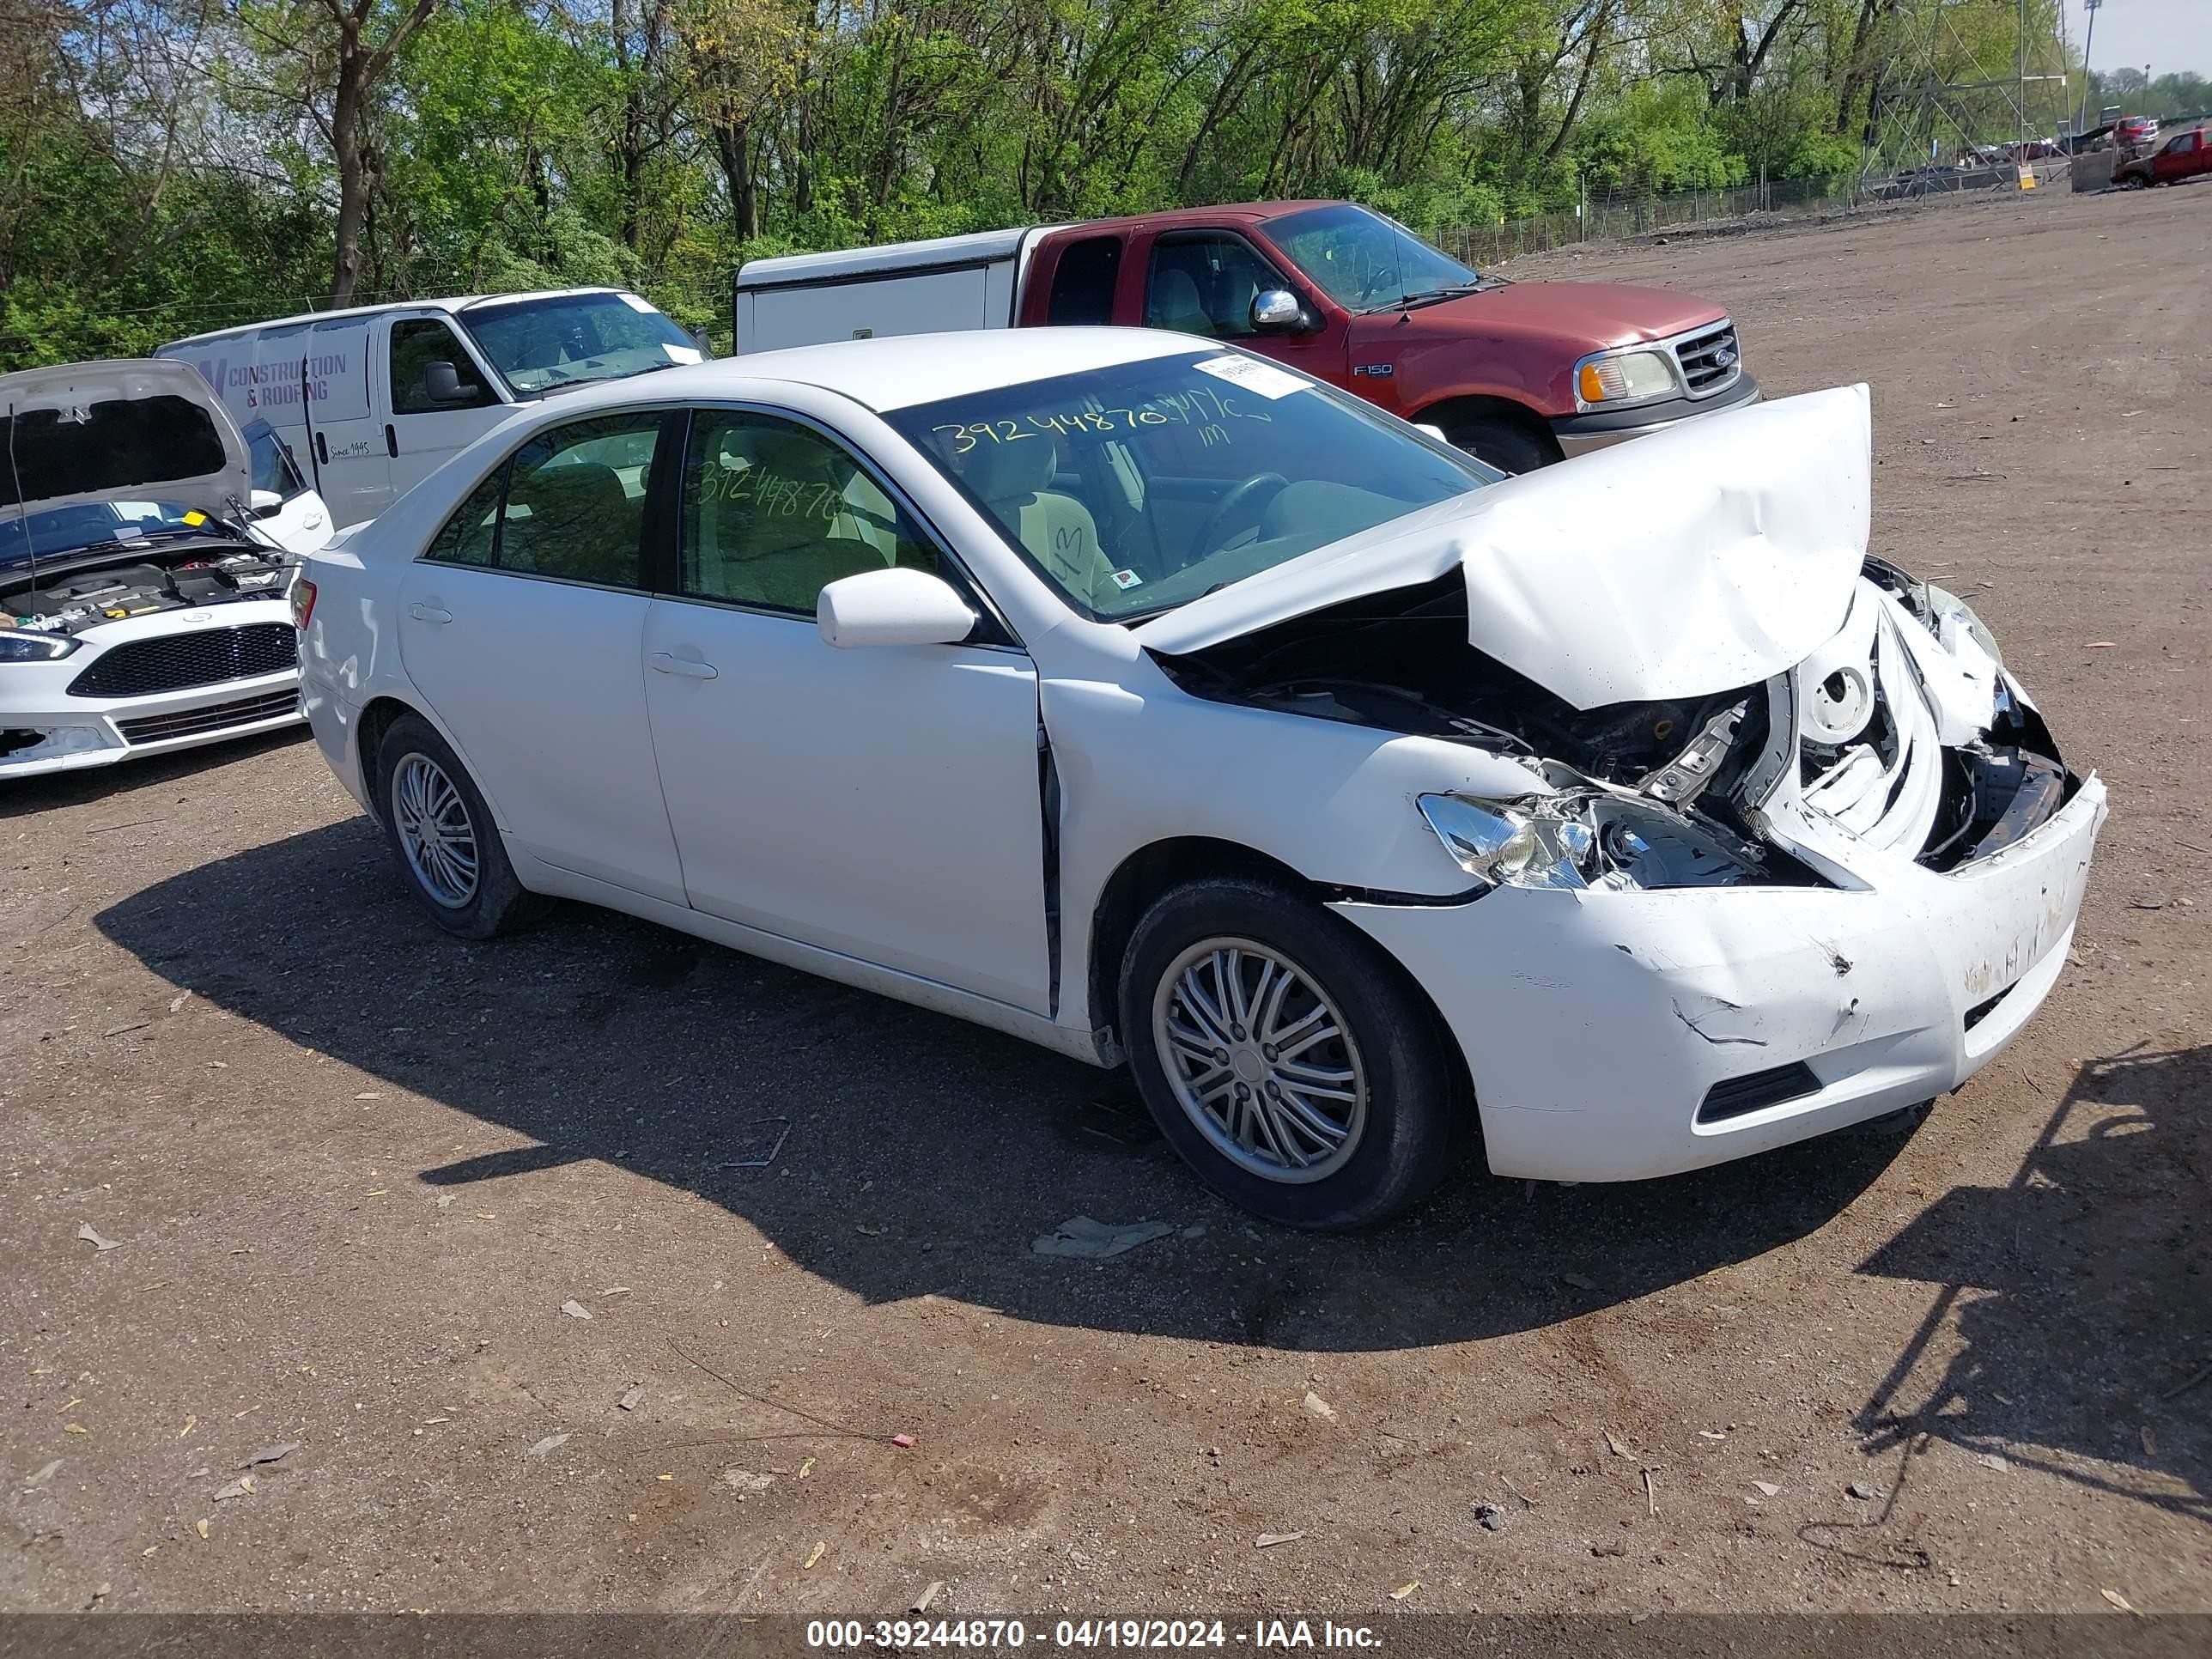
(2089, 44)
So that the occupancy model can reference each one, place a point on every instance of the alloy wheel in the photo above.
(435, 832)
(1261, 1059)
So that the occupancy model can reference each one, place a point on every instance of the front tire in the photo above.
(1287, 1057)
(1510, 446)
(442, 834)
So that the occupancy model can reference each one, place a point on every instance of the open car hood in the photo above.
(123, 430)
(1709, 556)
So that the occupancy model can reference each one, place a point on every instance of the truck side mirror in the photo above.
(443, 383)
(1276, 311)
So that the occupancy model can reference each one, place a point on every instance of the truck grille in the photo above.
(1709, 360)
(194, 722)
(143, 668)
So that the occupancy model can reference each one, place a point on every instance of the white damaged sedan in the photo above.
(143, 572)
(1159, 705)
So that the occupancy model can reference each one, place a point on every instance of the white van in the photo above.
(392, 391)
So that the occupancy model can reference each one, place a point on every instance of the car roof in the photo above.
(449, 303)
(903, 370)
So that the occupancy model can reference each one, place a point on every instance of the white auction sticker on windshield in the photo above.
(1253, 375)
(678, 354)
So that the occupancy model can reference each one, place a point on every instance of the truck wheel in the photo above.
(1508, 444)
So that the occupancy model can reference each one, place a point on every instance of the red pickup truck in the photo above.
(2186, 155)
(1521, 373)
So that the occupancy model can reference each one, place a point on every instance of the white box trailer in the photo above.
(945, 283)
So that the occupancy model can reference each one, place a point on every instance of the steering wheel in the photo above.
(1209, 538)
(1377, 280)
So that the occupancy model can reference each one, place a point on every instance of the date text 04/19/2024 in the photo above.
(1083, 1635)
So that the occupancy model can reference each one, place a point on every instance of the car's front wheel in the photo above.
(1287, 1057)
(442, 835)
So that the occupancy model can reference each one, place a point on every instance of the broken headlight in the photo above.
(19, 646)
(1584, 840)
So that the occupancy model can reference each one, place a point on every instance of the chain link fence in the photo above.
(1613, 215)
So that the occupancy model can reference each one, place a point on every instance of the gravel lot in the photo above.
(356, 1170)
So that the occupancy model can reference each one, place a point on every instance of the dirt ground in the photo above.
(357, 1171)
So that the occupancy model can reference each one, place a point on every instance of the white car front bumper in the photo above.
(1618, 1036)
(46, 725)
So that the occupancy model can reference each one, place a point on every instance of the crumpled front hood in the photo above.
(1709, 556)
(127, 429)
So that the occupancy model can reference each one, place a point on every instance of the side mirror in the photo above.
(443, 382)
(892, 607)
(263, 503)
(1276, 311)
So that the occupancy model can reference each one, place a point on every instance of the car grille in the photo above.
(142, 668)
(1710, 363)
(194, 722)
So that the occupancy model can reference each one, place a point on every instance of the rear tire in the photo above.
(443, 838)
(1509, 445)
(1373, 1117)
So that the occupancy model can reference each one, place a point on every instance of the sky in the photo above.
(2167, 34)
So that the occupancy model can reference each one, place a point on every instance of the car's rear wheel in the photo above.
(442, 835)
(1287, 1057)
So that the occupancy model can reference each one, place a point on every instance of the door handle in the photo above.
(390, 441)
(663, 664)
(430, 613)
(322, 450)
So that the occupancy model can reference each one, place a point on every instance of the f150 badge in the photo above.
(1375, 371)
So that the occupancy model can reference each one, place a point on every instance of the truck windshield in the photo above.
(568, 339)
(1137, 487)
(1366, 262)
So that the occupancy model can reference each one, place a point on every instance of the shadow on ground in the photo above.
(2069, 1333)
(134, 783)
(595, 1037)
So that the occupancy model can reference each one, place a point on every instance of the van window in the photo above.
(416, 342)
(1083, 282)
(536, 345)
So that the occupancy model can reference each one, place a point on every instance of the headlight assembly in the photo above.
(18, 646)
(1586, 840)
(1610, 379)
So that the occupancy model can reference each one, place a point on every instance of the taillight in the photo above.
(303, 602)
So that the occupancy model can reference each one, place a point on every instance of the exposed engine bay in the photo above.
(1922, 746)
(143, 580)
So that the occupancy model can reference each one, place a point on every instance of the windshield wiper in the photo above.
(1426, 296)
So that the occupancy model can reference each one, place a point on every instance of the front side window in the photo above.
(773, 512)
(567, 339)
(416, 342)
(1206, 284)
(1136, 487)
(570, 503)
(1366, 262)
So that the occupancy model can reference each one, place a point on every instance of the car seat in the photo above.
(578, 522)
(1013, 478)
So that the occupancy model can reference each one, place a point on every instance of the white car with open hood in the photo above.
(1152, 701)
(146, 550)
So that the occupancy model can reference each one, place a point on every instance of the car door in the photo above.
(1203, 283)
(521, 627)
(300, 522)
(420, 433)
(881, 802)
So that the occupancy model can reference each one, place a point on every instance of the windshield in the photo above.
(1137, 487)
(72, 529)
(537, 345)
(1364, 260)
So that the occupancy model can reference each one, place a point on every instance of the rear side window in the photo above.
(570, 504)
(1083, 283)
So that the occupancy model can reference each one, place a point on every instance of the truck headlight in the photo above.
(1612, 378)
(1583, 841)
(18, 646)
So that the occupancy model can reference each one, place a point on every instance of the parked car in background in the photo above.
(1143, 698)
(2183, 157)
(146, 549)
(2130, 132)
(392, 392)
(1519, 373)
